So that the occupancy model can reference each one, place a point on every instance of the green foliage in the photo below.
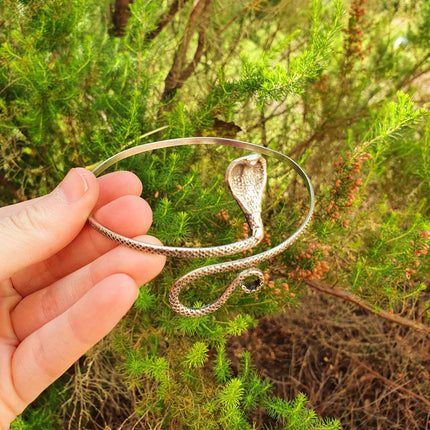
(421, 32)
(222, 365)
(231, 395)
(44, 412)
(239, 324)
(386, 264)
(134, 364)
(146, 300)
(320, 81)
(298, 416)
(197, 356)
(267, 84)
(390, 120)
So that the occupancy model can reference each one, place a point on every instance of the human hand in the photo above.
(63, 286)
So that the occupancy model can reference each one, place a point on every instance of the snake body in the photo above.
(246, 178)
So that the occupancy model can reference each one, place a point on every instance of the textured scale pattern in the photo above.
(246, 177)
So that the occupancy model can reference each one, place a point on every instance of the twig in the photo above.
(236, 17)
(11, 187)
(412, 75)
(350, 297)
(391, 383)
(165, 19)
(130, 142)
(104, 117)
(120, 16)
(149, 133)
(179, 72)
(8, 85)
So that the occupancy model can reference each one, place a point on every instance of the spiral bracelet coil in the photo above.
(246, 178)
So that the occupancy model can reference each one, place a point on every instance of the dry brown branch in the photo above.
(415, 73)
(251, 6)
(387, 381)
(350, 297)
(120, 16)
(180, 71)
(166, 19)
(11, 187)
(314, 349)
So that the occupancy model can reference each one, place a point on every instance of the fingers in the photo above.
(112, 186)
(37, 229)
(117, 184)
(44, 305)
(127, 215)
(89, 244)
(47, 353)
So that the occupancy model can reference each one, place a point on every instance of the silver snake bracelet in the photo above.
(246, 178)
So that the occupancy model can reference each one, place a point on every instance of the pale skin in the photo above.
(63, 286)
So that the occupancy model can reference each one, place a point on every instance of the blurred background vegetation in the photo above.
(338, 337)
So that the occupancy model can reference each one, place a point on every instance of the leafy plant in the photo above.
(324, 82)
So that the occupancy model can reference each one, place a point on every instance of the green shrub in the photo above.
(324, 82)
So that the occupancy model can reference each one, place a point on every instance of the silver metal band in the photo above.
(208, 251)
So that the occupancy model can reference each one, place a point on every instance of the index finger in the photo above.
(89, 244)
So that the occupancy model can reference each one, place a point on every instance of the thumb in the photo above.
(34, 230)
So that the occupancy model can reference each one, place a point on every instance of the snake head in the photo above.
(246, 177)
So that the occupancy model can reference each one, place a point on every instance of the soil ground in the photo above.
(352, 365)
(368, 373)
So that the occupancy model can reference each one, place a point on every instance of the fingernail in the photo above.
(74, 185)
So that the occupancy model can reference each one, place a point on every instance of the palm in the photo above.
(54, 310)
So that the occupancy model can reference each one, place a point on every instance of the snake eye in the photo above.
(246, 178)
(251, 287)
(256, 280)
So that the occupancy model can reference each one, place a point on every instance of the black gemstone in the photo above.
(253, 285)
